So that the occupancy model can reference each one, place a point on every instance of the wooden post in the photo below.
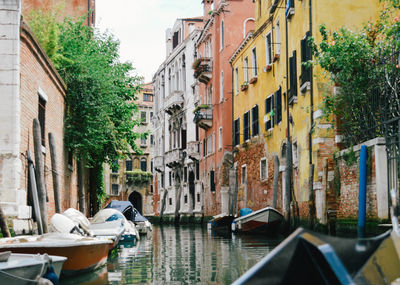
(54, 170)
(288, 182)
(34, 192)
(40, 173)
(81, 189)
(324, 192)
(3, 224)
(276, 178)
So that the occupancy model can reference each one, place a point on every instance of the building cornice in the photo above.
(241, 46)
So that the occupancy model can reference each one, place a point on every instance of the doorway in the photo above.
(136, 199)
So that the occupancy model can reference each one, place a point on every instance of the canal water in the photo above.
(181, 255)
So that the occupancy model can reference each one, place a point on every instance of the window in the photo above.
(263, 169)
(143, 141)
(70, 159)
(210, 144)
(42, 119)
(151, 115)
(246, 69)
(221, 88)
(212, 180)
(254, 58)
(204, 147)
(186, 199)
(278, 38)
(198, 197)
(151, 188)
(170, 201)
(151, 166)
(236, 81)
(175, 39)
(197, 171)
(244, 174)
(185, 174)
(114, 166)
(268, 49)
(114, 189)
(246, 126)
(147, 97)
(254, 123)
(143, 116)
(305, 56)
(151, 139)
(170, 178)
(237, 132)
(162, 180)
(295, 154)
(269, 113)
(278, 106)
(289, 11)
(143, 164)
(128, 165)
(222, 35)
(292, 77)
(220, 138)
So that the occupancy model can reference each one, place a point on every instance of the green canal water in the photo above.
(181, 255)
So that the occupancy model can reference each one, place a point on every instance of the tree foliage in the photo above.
(353, 62)
(100, 88)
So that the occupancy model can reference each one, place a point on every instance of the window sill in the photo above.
(305, 87)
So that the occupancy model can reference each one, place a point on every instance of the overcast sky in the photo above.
(140, 26)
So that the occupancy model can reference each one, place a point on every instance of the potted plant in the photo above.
(253, 80)
(200, 107)
(244, 86)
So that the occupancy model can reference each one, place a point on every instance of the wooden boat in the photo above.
(306, 257)
(265, 220)
(83, 253)
(221, 222)
(16, 268)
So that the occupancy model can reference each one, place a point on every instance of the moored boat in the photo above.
(16, 268)
(83, 253)
(221, 222)
(265, 220)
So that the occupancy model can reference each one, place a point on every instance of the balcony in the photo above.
(193, 150)
(203, 69)
(159, 163)
(174, 158)
(203, 118)
(174, 102)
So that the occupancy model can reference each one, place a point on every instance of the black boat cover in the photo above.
(306, 257)
(127, 209)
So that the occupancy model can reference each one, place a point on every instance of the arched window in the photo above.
(143, 164)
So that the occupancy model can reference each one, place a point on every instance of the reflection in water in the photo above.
(185, 255)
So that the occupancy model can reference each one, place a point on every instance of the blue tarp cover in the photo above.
(127, 209)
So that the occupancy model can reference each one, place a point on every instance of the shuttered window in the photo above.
(246, 126)
(305, 56)
(237, 132)
(278, 106)
(254, 121)
(292, 77)
(269, 113)
(212, 181)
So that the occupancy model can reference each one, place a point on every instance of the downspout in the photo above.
(88, 16)
(233, 192)
(288, 175)
(311, 170)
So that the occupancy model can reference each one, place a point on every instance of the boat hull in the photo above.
(222, 223)
(266, 220)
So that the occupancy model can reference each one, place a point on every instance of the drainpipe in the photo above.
(88, 16)
(288, 171)
(311, 171)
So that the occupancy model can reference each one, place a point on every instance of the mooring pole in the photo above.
(362, 192)
(40, 173)
(56, 179)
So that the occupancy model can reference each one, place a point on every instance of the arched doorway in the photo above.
(136, 199)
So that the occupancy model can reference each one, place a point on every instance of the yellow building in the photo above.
(279, 130)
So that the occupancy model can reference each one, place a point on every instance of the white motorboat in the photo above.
(17, 268)
(265, 220)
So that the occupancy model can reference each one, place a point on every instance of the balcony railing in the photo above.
(159, 163)
(203, 69)
(193, 150)
(174, 158)
(174, 102)
(203, 118)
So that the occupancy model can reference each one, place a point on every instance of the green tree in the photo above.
(100, 91)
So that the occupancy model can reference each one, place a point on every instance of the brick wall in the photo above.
(38, 73)
(259, 192)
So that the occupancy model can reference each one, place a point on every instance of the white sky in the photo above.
(140, 26)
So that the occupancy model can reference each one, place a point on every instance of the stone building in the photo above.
(132, 179)
(177, 150)
(226, 24)
(280, 133)
(31, 88)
